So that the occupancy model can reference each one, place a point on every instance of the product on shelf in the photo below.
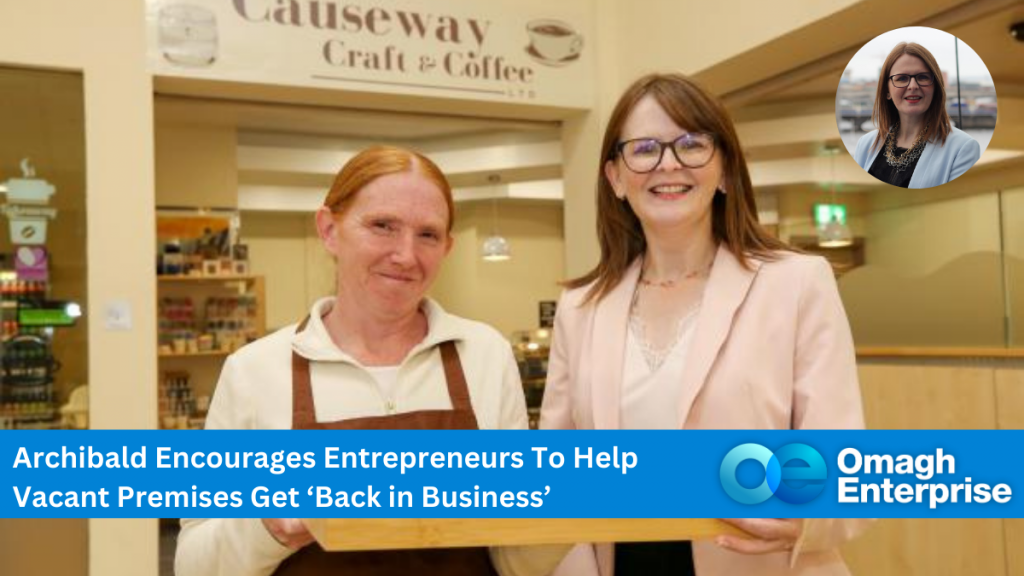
(231, 320)
(27, 289)
(179, 407)
(205, 253)
(228, 323)
(27, 365)
(26, 394)
(177, 326)
(171, 261)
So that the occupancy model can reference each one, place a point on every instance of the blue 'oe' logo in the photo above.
(776, 474)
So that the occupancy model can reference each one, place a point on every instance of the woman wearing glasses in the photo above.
(915, 145)
(695, 317)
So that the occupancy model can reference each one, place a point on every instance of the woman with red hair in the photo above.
(378, 354)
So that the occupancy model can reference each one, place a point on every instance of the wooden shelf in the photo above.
(225, 278)
(209, 353)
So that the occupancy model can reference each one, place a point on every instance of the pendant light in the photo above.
(495, 247)
(834, 234)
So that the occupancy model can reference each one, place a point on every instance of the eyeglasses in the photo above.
(642, 155)
(903, 80)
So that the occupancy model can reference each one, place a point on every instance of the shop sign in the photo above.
(523, 51)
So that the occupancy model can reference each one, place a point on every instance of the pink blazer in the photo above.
(772, 350)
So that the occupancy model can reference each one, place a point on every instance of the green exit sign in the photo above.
(825, 213)
(48, 313)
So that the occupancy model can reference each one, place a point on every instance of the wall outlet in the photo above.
(118, 315)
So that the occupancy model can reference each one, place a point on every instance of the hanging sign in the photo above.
(522, 51)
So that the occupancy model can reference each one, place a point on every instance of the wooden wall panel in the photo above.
(936, 547)
(901, 396)
(1010, 397)
(196, 166)
(44, 546)
(1014, 546)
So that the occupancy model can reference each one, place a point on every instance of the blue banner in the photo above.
(511, 474)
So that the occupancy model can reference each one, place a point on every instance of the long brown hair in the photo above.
(885, 115)
(733, 215)
(377, 161)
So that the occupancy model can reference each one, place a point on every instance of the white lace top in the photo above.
(652, 377)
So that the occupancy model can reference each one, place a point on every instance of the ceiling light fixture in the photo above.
(495, 247)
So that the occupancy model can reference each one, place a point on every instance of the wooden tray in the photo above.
(338, 534)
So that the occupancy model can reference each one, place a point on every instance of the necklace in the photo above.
(702, 272)
(904, 160)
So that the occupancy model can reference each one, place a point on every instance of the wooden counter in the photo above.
(387, 534)
(937, 352)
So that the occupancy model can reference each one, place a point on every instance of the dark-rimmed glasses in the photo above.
(642, 155)
(903, 80)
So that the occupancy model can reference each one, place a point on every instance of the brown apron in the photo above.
(313, 560)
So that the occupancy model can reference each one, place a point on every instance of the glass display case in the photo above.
(44, 344)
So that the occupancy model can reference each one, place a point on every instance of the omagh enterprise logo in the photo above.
(783, 476)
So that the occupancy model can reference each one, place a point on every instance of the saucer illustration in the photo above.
(552, 63)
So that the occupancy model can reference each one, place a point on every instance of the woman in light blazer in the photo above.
(915, 145)
(695, 317)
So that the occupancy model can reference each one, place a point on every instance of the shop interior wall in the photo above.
(285, 249)
(50, 34)
(691, 36)
(933, 276)
(504, 294)
(921, 240)
(938, 263)
(196, 166)
(581, 140)
(904, 250)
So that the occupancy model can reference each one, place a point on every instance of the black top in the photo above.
(654, 559)
(880, 169)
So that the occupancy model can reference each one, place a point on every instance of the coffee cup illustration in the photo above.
(553, 42)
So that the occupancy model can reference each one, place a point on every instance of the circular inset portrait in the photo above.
(916, 107)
